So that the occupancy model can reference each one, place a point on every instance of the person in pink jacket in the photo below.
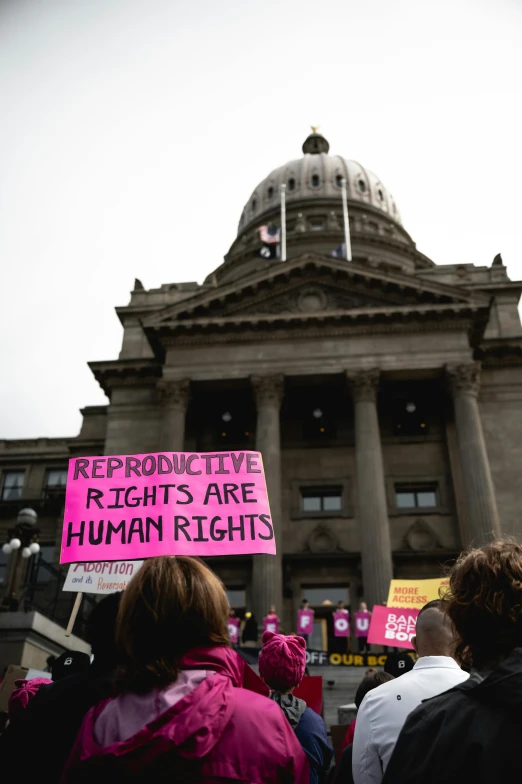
(183, 713)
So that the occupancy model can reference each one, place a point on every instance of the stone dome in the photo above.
(317, 176)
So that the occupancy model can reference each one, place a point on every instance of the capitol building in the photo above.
(384, 392)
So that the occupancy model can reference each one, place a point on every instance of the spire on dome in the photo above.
(315, 143)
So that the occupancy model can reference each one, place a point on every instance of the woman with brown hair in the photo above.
(473, 731)
(181, 714)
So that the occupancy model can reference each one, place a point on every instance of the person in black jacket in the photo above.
(473, 731)
(40, 741)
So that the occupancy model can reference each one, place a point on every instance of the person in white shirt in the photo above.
(385, 709)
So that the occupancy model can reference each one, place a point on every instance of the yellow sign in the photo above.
(415, 593)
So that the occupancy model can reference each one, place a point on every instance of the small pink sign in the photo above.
(131, 507)
(271, 624)
(305, 622)
(341, 621)
(233, 630)
(392, 626)
(362, 623)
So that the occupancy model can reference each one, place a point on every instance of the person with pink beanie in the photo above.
(282, 663)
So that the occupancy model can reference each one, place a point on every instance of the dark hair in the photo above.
(370, 682)
(484, 602)
(100, 629)
(169, 607)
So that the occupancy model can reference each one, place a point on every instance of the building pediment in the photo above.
(311, 286)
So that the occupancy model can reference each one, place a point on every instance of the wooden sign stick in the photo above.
(74, 613)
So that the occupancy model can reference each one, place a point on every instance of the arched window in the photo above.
(362, 186)
(315, 180)
(291, 184)
(270, 192)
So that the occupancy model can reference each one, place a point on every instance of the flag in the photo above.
(268, 251)
(270, 238)
(269, 234)
(339, 252)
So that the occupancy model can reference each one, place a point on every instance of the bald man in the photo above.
(385, 709)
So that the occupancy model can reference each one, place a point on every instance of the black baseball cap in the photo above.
(69, 663)
(398, 663)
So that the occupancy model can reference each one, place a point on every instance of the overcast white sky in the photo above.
(133, 131)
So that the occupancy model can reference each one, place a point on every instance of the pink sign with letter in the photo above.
(393, 626)
(271, 624)
(137, 506)
(305, 622)
(341, 622)
(362, 623)
(233, 630)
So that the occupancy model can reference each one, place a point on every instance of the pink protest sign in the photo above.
(341, 623)
(391, 626)
(271, 624)
(362, 623)
(137, 506)
(233, 630)
(305, 622)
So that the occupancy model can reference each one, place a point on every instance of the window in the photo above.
(339, 180)
(362, 186)
(43, 574)
(381, 197)
(253, 205)
(236, 597)
(12, 485)
(56, 479)
(291, 184)
(3, 567)
(416, 497)
(270, 192)
(326, 499)
(315, 180)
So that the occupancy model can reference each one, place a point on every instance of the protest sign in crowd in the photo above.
(168, 693)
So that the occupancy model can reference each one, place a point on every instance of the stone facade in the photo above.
(388, 384)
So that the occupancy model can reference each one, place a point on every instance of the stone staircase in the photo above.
(341, 691)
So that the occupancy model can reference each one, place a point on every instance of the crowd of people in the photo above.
(248, 629)
(166, 697)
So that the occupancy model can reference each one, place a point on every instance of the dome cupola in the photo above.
(314, 214)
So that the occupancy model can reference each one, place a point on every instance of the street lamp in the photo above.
(23, 543)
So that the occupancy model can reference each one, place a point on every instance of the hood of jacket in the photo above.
(228, 662)
(503, 686)
(192, 726)
(292, 707)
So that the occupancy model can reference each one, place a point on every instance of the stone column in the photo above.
(483, 519)
(377, 570)
(267, 575)
(174, 396)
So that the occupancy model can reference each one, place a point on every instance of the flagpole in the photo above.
(346, 222)
(283, 222)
